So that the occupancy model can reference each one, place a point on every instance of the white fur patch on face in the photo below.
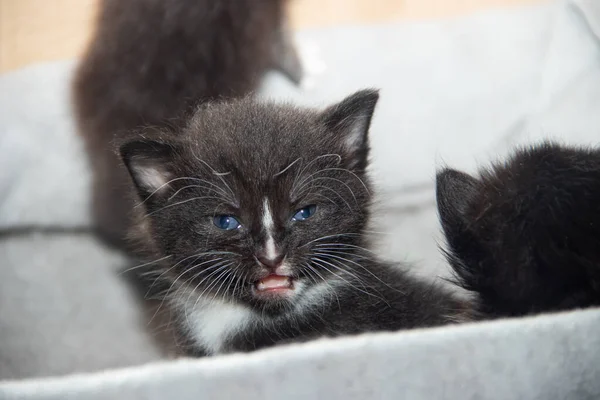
(270, 248)
(268, 225)
(213, 322)
(267, 217)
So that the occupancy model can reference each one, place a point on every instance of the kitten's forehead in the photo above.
(261, 141)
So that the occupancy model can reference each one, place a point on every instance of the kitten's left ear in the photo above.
(150, 164)
(349, 120)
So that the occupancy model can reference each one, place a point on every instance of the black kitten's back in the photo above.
(525, 234)
(150, 59)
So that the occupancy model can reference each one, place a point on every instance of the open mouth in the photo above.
(274, 285)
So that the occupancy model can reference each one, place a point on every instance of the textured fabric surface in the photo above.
(545, 358)
(460, 91)
(64, 308)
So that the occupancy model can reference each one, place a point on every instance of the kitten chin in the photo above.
(524, 234)
(255, 213)
(150, 61)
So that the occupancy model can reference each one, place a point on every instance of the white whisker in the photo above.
(337, 180)
(222, 269)
(181, 202)
(288, 167)
(226, 282)
(218, 174)
(214, 283)
(320, 262)
(145, 264)
(219, 191)
(168, 292)
(330, 236)
(197, 255)
(345, 245)
(327, 253)
(350, 172)
(331, 289)
(305, 167)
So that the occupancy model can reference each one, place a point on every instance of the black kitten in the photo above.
(255, 213)
(151, 60)
(525, 234)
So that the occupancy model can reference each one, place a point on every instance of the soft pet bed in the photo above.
(459, 92)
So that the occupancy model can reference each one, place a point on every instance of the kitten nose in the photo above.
(270, 262)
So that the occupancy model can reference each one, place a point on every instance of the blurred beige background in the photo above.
(46, 30)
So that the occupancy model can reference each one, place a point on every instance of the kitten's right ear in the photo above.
(455, 191)
(150, 164)
(349, 120)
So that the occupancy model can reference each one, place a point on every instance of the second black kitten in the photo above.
(524, 235)
(253, 220)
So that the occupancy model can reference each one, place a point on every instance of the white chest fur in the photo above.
(211, 323)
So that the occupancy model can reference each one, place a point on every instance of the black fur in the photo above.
(151, 60)
(525, 234)
(231, 158)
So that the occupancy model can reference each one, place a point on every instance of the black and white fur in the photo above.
(524, 235)
(261, 162)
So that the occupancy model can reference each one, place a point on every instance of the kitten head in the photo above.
(525, 234)
(246, 199)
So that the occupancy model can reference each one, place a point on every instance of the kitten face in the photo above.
(247, 196)
(525, 235)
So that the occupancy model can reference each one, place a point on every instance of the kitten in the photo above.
(525, 234)
(256, 215)
(151, 60)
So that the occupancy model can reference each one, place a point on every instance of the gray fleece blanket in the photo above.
(458, 92)
(540, 358)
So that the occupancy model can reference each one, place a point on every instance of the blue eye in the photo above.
(226, 222)
(304, 213)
